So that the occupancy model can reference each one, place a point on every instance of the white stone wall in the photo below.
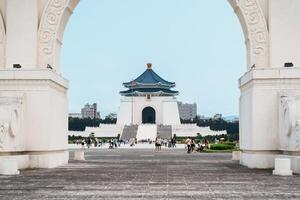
(166, 109)
(191, 130)
(284, 26)
(106, 130)
(79, 133)
(22, 33)
(41, 121)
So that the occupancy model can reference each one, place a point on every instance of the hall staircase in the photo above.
(164, 131)
(147, 131)
(129, 131)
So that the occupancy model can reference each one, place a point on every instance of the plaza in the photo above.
(144, 174)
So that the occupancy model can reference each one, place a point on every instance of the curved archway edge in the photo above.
(249, 12)
(2, 42)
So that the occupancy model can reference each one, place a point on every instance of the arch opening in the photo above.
(148, 115)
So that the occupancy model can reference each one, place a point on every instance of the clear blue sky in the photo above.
(198, 44)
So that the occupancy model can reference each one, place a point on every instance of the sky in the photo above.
(198, 44)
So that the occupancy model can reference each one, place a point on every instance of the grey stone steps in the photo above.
(164, 131)
(129, 131)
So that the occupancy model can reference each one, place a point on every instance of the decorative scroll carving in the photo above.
(289, 121)
(2, 42)
(255, 29)
(48, 30)
(10, 110)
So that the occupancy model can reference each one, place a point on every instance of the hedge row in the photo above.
(221, 147)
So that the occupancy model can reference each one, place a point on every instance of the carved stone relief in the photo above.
(49, 24)
(289, 122)
(10, 114)
(256, 30)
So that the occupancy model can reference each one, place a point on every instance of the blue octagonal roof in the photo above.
(149, 78)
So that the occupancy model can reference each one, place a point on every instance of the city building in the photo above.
(217, 117)
(75, 115)
(187, 111)
(148, 109)
(90, 111)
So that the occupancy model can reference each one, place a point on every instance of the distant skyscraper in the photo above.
(187, 111)
(90, 111)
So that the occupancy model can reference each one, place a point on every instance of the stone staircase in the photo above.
(129, 131)
(147, 131)
(164, 131)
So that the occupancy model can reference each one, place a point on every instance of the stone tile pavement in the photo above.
(144, 174)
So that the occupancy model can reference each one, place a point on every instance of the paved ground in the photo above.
(143, 174)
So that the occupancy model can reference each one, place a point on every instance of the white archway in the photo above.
(268, 89)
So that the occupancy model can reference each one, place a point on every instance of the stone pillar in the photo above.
(261, 91)
(22, 32)
(33, 119)
(33, 99)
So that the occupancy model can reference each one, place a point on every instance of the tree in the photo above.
(79, 124)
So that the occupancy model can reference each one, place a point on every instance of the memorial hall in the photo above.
(148, 109)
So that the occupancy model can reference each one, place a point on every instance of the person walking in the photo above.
(88, 142)
(188, 143)
(193, 145)
(82, 143)
(158, 143)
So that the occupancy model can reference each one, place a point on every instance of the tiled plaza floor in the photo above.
(144, 174)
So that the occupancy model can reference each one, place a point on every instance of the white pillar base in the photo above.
(9, 166)
(282, 167)
(259, 160)
(39, 139)
(236, 155)
(79, 155)
(295, 162)
(48, 159)
(34, 160)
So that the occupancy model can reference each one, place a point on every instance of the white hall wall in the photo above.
(166, 110)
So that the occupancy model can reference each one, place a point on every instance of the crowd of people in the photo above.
(192, 146)
(89, 142)
(159, 142)
(190, 143)
(113, 142)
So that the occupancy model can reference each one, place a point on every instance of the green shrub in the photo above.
(229, 143)
(221, 147)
